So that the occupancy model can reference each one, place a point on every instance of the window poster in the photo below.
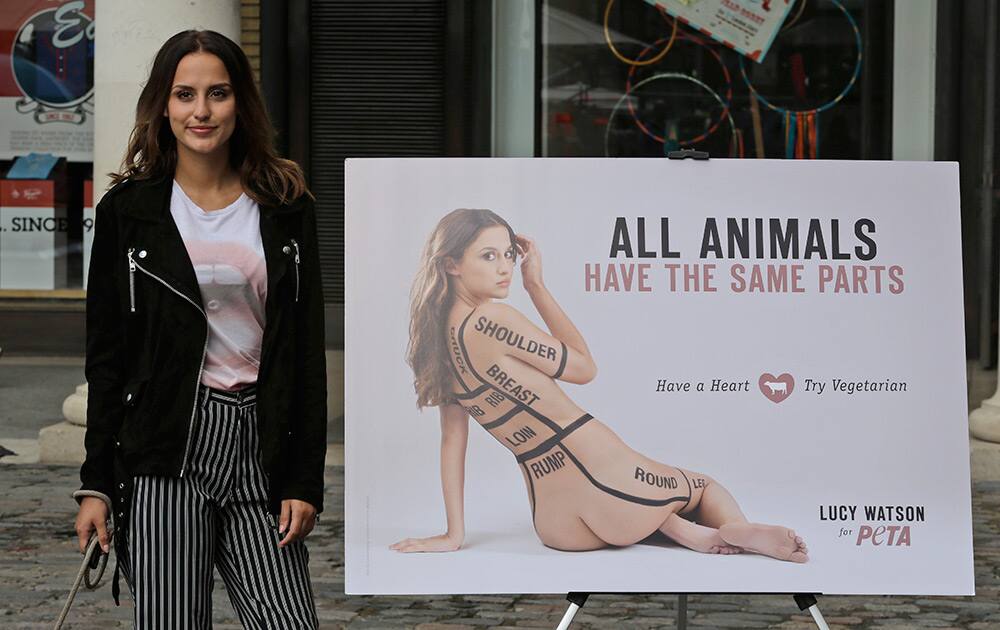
(47, 78)
(746, 26)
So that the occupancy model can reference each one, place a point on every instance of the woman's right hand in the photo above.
(531, 262)
(93, 515)
(442, 542)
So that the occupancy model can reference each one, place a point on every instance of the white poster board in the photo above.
(822, 384)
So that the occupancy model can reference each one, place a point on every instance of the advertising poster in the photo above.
(746, 26)
(47, 78)
(655, 375)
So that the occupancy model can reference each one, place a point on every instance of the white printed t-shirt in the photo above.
(228, 257)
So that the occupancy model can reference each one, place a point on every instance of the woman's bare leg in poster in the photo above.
(695, 536)
(723, 525)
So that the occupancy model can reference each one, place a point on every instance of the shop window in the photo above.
(629, 81)
(46, 112)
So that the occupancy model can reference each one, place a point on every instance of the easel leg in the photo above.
(577, 600)
(682, 611)
(808, 602)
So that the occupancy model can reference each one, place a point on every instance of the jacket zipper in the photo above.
(131, 280)
(201, 366)
(296, 246)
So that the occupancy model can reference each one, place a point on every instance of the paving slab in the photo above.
(40, 561)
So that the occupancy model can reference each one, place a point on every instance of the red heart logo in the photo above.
(776, 388)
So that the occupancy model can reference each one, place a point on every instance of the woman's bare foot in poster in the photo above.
(696, 537)
(769, 540)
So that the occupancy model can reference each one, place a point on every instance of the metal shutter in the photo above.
(377, 89)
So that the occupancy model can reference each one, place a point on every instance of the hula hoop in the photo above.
(668, 75)
(825, 106)
(622, 58)
(725, 107)
(790, 23)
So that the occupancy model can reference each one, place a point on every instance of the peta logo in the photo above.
(884, 535)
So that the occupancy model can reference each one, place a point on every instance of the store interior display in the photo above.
(596, 99)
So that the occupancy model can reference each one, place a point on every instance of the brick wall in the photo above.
(250, 33)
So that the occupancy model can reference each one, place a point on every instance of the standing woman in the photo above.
(206, 419)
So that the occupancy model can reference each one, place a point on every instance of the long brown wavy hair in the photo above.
(431, 298)
(152, 147)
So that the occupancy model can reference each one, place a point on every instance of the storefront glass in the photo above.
(629, 81)
(46, 120)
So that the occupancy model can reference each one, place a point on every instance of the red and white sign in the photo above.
(33, 235)
(27, 193)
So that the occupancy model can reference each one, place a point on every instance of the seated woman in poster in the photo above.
(474, 356)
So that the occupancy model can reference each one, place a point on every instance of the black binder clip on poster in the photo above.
(804, 602)
(682, 154)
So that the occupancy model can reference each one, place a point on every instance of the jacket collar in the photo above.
(149, 200)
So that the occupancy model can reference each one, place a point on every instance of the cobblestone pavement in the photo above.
(39, 562)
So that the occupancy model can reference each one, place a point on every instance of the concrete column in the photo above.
(985, 421)
(128, 34)
(62, 443)
(914, 46)
(985, 443)
(513, 78)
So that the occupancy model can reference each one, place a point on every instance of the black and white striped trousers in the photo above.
(216, 515)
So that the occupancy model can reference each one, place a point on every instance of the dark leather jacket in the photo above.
(146, 341)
